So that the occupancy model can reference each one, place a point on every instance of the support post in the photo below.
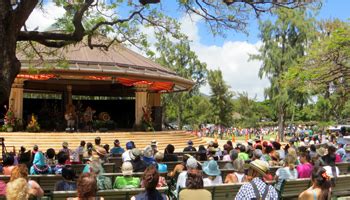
(140, 102)
(16, 98)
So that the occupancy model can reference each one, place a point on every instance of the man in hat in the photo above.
(126, 154)
(154, 145)
(65, 149)
(117, 149)
(257, 188)
(189, 147)
(138, 164)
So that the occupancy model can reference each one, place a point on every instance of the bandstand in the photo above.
(126, 83)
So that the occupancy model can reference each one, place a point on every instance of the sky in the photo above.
(230, 54)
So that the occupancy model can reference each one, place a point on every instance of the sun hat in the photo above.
(148, 152)
(65, 144)
(191, 163)
(127, 169)
(260, 166)
(101, 151)
(190, 142)
(135, 153)
(159, 156)
(211, 168)
(321, 151)
(250, 141)
(154, 143)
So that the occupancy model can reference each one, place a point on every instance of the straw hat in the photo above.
(134, 153)
(260, 166)
(101, 151)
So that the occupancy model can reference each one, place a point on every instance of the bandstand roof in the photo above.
(119, 64)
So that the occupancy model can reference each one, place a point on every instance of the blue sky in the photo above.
(229, 54)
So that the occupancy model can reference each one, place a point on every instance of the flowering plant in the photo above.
(10, 119)
(33, 125)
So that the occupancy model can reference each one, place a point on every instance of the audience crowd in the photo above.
(197, 168)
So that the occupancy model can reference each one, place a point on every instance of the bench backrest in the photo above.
(224, 191)
(343, 167)
(116, 194)
(292, 188)
(341, 186)
(108, 167)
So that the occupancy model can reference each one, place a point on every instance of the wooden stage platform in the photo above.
(54, 140)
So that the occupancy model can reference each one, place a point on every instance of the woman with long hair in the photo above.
(150, 180)
(321, 186)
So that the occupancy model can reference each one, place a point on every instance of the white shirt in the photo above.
(209, 182)
(181, 180)
(126, 156)
(329, 170)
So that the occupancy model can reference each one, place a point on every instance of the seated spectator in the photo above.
(148, 156)
(150, 180)
(106, 147)
(88, 151)
(117, 149)
(8, 163)
(211, 169)
(126, 154)
(218, 152)
(154, 145)
(277, 147)
(68, 182)
(80, 150)
(257, 188)
(127, 180)
(257, 153)
(97, 142)
(238, 175)
(169, 155)
(194, 187)
(201, 153)
(321, 185)
(87, 187)
(103, 182)
(24, 157)
(191, 163)
(65, 149)
(233, 156)
(62, 158)
(212, 153)
(305, 168)
(331, 156)
(179, 167)
(17, 189)
(21, 171)
(341, 151)
(137, 163)
(266, 154)
(161, 167)
(189, 147)
(242, 154)
(39, 165)
(102, 154)
(50, 157)
(227, 149)
(287, 172)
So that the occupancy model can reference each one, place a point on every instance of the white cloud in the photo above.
(43, 19)
(232, 58)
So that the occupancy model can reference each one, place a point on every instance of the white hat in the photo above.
(127, 168)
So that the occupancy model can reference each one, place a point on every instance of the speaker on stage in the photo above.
(157, 117)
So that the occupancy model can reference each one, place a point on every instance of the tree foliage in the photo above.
(220, 98)
(284, 43)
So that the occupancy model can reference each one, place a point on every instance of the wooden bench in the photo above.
(117, 161)
(343, 167)
(290, 189)
(224, 191)
(341, 188)
(115, 194)
(108, 167)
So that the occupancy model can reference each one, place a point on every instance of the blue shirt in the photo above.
(117, 150)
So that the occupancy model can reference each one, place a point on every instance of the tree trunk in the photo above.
(9, 64)
(281, 120)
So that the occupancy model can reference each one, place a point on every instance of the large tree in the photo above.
(91, 18)
(220, 98)
(178, 56)
(284, 43)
